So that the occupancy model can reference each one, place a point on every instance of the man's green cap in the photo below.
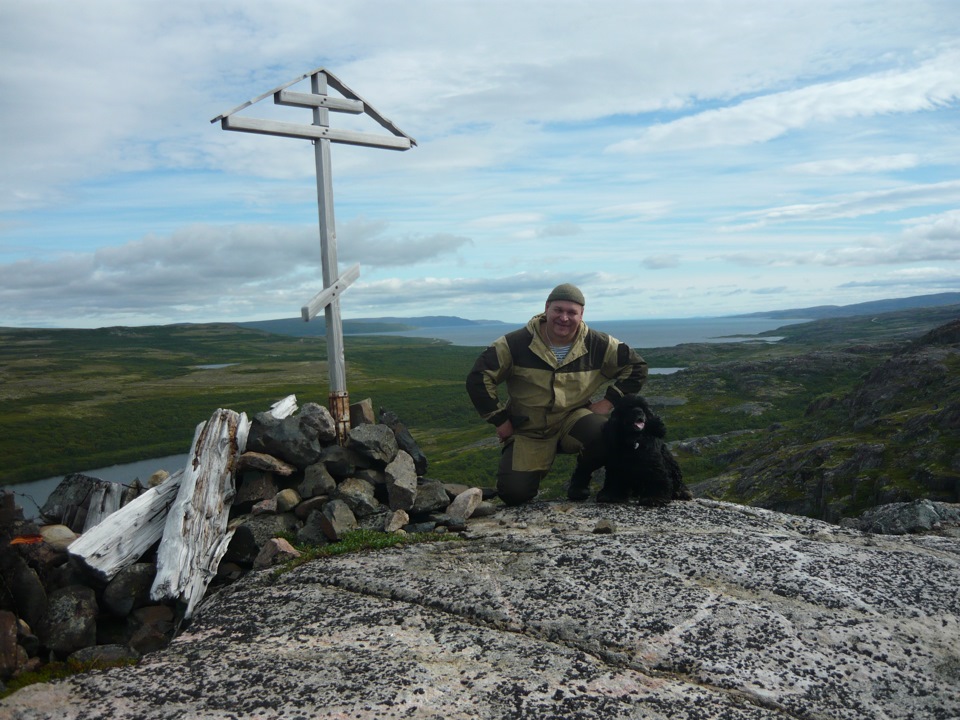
(568, 292)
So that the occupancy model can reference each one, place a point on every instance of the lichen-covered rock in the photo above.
(698, 610)
(71, 620)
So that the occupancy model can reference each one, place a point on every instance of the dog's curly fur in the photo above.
(639, 464)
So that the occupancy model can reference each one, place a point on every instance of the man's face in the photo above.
(563, 320)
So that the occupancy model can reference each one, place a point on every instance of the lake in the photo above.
(635, 333)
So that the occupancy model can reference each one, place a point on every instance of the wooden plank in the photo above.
(284, 408)
(195, 533)
(325, 296)
(309, 100)
(123, 537)
(313, 132)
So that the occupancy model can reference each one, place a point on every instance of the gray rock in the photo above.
(153, 628)
(21, 587)
(71, 620)
(129, 589)
(340, 462)
(251, 532)
(105, 654)
(274, 552)
(312, 532)
(336, 518)
(317, 480)
(401, 481)
(268, 463)
(463, 506)
(297, 439)
(699, 610)
(395, 521)
(431, 496)
(9, 648)
(374, 442)
(287, 500)
(255, 486)
(359, 496)
(405, 440)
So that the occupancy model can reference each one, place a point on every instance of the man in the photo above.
(551, 369)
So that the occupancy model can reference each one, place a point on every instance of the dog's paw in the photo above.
(611, 496)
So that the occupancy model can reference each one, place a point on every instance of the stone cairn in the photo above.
(109, 572)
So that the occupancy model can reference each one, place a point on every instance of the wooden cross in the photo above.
(321, 134)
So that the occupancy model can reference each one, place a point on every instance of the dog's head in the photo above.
(632, 417)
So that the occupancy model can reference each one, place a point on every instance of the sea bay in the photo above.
(650, 333)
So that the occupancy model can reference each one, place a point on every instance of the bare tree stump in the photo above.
(195, 535)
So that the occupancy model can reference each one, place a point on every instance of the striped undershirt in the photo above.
(560, 351)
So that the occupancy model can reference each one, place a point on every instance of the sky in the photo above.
(675, 159)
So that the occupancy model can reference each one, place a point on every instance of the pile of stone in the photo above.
(287, 481)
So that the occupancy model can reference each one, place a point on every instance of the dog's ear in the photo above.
(655, 426)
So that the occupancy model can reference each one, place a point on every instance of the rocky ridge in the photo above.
(893, 437)
(697, 610)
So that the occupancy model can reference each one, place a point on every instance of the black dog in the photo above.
(639, 463)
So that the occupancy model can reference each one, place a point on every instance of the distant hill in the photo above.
(865, 308)
(359, 326)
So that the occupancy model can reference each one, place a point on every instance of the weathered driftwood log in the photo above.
(104, 501)
(122, 538)
(195, 535)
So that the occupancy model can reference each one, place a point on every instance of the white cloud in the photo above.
(856, 204)
(848, 166)
(933, 84)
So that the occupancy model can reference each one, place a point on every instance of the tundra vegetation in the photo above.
(77, 399)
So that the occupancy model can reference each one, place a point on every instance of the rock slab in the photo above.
(697, 610)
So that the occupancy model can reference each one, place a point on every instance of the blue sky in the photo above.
(674, 159)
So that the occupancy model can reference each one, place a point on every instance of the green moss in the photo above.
(59, 671)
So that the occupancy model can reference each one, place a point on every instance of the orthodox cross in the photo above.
(321, 134)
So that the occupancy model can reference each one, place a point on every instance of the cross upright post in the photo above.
(339, 399)
(321, 134)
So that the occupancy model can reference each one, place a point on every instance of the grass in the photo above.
(356, 541)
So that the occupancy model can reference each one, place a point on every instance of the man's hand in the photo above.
(602, 407)
(505, 430)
